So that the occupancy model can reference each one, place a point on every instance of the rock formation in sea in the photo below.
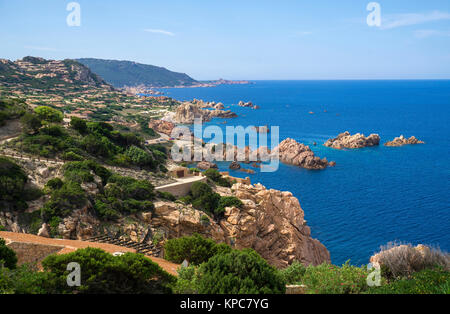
(248, 104)
(261, 129)
(346, 140)
(187, 112)
(298, 154)
(234, 165)
(401, 140)
(205, 165)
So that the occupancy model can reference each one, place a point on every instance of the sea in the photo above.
(374, 195)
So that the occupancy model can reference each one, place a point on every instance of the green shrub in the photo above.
(32, 193)
(64, 200)
(48, 114)
(140, 157)
(195, 249)
(12, 180)
(216, 177)
(239, 272)
(103, 273)
(428, 281)
(167, 196)
(227, 201)
(54, 184)
(294, 273)
(332, 279)
(25, 280)
(31, 123)
(72, 156)
(79, 125)
(8, 257)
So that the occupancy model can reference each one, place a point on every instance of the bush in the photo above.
(12, 180)
(238, 272)
(403, 260)
(64, 200)
(294, 273)
(167, 196)
(79, 125)
(428, 281)
(104, 273)
(331, 279)
(72, 156)
(48, 114)
(25, 280)
(195, 249)
(8, 257)
(31, 123)
(227, 201)
(217, 178)
(140, 157)
(54, 184)
(32, 193)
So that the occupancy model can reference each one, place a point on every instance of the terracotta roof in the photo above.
(68, 246)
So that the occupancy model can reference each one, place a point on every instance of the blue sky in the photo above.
(245, 39)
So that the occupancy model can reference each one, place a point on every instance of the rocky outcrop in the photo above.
(401, 140)
(345, 140)
(298, 154)
(161, 126)
(234, 165)
(248, 104)
(261, 129)
(187, 112)
(205, 165)
(272, 222)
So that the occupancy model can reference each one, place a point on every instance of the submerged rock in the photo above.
(346, 140)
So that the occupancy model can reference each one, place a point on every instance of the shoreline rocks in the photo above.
(346, 140)
(401, 140)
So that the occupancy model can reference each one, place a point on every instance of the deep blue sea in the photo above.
(373, 195)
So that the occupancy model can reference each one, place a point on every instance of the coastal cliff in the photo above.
(346, 140)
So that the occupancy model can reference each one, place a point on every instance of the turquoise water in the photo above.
(373, 195)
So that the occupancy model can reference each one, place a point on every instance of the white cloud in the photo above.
(40, 48)
(159, 31)
(407, 19)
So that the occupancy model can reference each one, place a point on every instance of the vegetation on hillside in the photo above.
(127, 73)
(102, 273)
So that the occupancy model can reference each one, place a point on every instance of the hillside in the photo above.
(127, 73)
(38, 73)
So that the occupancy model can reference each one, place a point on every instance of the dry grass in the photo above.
(402, 260)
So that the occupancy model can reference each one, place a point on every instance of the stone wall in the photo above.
(180, 188)
(33, 253)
